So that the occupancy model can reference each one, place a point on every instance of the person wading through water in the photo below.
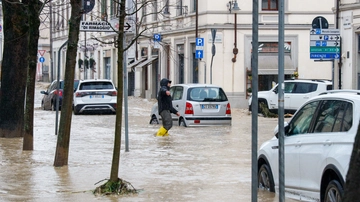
(165, 107)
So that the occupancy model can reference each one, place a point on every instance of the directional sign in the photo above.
(95, 26)
(127, 27)
(324, 56)
(199, 54)
(324, 49)
(324, 44)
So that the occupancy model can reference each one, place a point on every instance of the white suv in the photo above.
(95, 95)
(296, 92)
(318, 143)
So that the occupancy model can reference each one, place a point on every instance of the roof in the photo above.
(192, 85)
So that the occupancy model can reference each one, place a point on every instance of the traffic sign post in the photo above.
(199, 52)
(324, 44)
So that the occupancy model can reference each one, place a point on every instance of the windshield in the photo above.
(206, 94)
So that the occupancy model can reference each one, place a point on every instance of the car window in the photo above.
(329, 87)
(96, 86)
(334, 116)
(304, 87)
(289, 86)
(206, 94)
(177, 92)
(300, 123)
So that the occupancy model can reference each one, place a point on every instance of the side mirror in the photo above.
(43, 92)
(286, 129)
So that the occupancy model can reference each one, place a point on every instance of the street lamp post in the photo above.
(233, 6)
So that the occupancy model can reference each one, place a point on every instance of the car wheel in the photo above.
(76, 111)
(42, 105)
(334, 192)
(262, 104)
(154, 120)
(265, 178)
(182, 122)
(53, 107)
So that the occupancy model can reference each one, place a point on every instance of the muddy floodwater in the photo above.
(192, 164)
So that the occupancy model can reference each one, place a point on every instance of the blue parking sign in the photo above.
(199, 41)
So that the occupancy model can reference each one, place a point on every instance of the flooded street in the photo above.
(192, 164)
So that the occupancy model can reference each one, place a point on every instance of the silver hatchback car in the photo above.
(198, 104)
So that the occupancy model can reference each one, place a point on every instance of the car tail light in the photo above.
(228, 109)
(112, 93)
(80, 94)
(189, 108)
(58, 92)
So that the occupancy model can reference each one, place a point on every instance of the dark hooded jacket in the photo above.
(165, 101)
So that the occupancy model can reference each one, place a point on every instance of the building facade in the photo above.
(167, 46)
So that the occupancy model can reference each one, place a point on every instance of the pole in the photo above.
(281, 103)
(254, 102)
(85, 68)
(125, 97)
(51, 46)
(58, 87)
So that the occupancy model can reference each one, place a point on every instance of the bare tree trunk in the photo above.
(14, 69)
(352, 188)
(34, 23)
(63, 141)
(119, 112)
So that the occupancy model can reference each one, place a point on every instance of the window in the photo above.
(334, 116)
(179, 8)
(209, 94)
(193, 6)
(300, 123)
(155, 10)
(304, 88)
(166, 8)
(269, 5)
(176, 92)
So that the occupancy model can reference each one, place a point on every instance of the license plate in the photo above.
(209, 106)
(96, 96)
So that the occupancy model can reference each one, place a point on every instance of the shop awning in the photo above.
(147, 62)
(269, 65)
(134, 64)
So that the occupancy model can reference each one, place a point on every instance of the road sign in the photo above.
(41, 59)
(95, 26)
(324, 44)
(325, 56)
(42, 52)
(199, 53)
(157, 37)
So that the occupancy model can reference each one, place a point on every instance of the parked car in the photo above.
(95, 95)
(296, 92)
(198, 104)
(50, 95)
(318, 143)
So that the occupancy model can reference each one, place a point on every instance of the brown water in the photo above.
(192, 164)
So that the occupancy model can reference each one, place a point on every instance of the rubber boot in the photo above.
(161, 132)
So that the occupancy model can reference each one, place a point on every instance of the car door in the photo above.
(47, 98)
(298, 126)
(288, 90)
(301, 93)
(327, 132)
(178, 100)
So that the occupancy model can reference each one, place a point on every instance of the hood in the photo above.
(164, 82)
